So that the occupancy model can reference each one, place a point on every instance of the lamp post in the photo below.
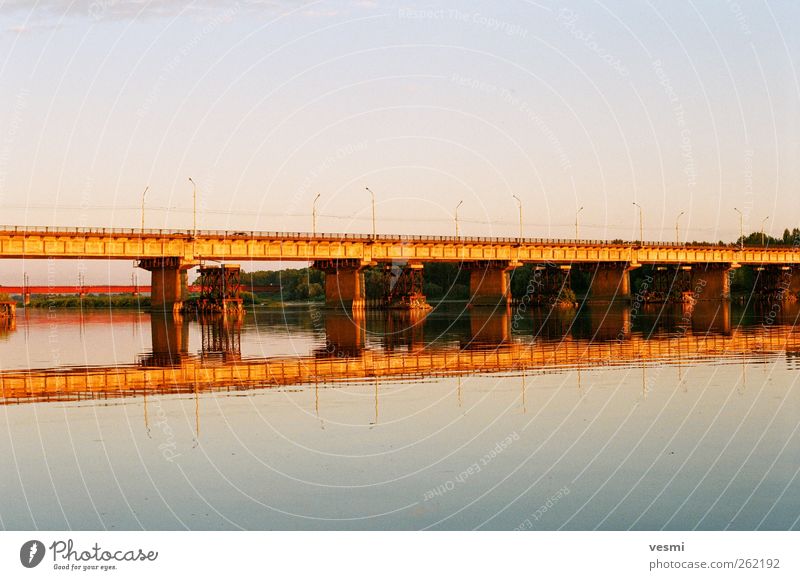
(458, 206)
(373, 212)
(641, 222)
(577, 213)
(519, 203)
(314, 216)
(677, 234)
(194, 207)
(143, 194)
(741, 228)
(763, 241)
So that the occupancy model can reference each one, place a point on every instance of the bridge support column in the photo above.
(403, 287)
(489, 282)
(711, 281)
(610, 281)
(344, 283)
(168, 289)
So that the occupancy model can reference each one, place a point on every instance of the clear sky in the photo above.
(679, 106)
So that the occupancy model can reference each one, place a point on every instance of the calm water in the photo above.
(610, 418)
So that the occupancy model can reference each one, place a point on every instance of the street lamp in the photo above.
(373, 211)
(677, 235)
(762, 230)
(143, 194)
(458, 206)
(314, 216)
(194, 207)
(519, 202)
(741, 228)
(580, 209)
(641, 222)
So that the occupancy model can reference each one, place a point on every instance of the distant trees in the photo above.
(789, 238)
(293, 283)
(91, 301)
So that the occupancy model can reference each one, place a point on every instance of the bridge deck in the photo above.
(132, 244)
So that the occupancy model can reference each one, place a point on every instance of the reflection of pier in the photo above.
(220, 338)
(170, 341)
(489, 327)
(186, 373)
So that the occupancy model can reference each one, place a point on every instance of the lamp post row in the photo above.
(460, 203)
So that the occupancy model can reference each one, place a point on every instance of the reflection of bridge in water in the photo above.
(403, 346)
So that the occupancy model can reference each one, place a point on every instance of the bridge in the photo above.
(168, 254)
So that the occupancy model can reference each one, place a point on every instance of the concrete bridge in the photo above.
(487, 347)
(168, 254)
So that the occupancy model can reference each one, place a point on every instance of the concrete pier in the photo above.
(169, 283)
(344, 283)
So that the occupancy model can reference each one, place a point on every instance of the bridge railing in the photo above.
(261, 235)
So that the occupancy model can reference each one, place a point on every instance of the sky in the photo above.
(678, 106)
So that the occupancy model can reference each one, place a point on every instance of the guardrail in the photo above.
(258, 235)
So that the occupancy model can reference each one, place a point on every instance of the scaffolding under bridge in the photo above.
(220, 288)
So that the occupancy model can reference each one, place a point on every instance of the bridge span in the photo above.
(168, 254)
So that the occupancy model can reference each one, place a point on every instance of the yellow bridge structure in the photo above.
(168, 254)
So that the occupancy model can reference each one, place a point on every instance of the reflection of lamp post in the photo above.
(458, 206)
(763, 241)
(519, 202)
(373, 211)
(314, 216)
(143, 194)
(580, 209)
(741, 228)
(194, 207)
(641, 223)
(677, 234)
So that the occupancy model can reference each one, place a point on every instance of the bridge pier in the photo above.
(711, 281)
(8, 310)
(168, 289)
(344, 283)
(611, 281)
(403, 287)
(489, 282)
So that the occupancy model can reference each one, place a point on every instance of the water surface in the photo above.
(609, 418)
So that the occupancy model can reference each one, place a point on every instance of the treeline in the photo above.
(91, 301)
(440, 281)
(789, 238)
(294, 283)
